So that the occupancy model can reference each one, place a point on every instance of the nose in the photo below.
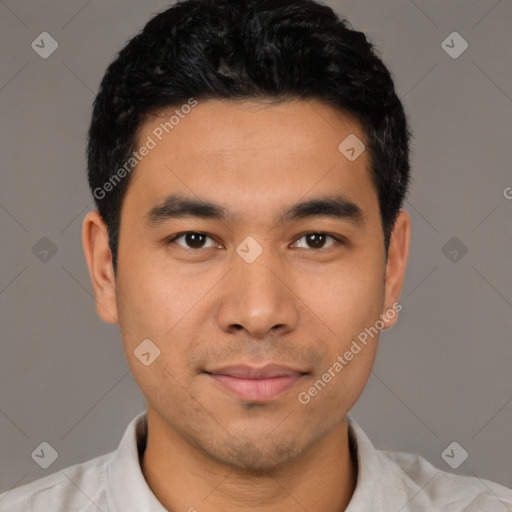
(258, 298)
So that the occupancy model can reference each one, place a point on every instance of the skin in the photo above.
(297, 304)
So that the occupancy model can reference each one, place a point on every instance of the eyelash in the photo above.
(338, 240)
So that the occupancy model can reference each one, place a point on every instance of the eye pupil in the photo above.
(195, 240)
(316, 239)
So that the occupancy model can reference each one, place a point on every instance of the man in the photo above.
(249, 160)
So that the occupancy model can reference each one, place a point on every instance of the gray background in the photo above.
(443, 373)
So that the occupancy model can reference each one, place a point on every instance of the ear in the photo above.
(398, 253)
(99, 260)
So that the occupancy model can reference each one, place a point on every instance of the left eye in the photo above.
(196, 240)
(317, 240)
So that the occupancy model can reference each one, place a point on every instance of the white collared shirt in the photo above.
(386, 481)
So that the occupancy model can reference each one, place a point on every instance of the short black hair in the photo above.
(245, 49)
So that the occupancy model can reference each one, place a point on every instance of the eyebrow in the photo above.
(178, 206)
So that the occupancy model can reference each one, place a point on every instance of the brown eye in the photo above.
(317, 240)
(193, 239)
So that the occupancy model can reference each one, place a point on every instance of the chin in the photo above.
(257, 457)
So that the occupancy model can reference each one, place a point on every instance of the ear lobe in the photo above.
(398, 253)
(99, 260)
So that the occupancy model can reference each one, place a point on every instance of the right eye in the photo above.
(195, 240)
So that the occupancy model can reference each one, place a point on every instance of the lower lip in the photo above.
(257, 390)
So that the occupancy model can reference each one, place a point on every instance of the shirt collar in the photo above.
(369, 468)
(127, 489)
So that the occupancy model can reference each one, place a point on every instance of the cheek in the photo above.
(351, 298)
(161, 306)
(151, 302)
(350, 306)
(153, 317)
(339, 381)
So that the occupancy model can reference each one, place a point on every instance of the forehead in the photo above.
(249, 155)
(228, 127)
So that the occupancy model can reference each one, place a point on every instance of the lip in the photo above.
(256, 384)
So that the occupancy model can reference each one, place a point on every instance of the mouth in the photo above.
(256, 384)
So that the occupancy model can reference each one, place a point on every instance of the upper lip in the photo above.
(268, 371)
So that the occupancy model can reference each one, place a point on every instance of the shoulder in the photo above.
(428, 486)
(77, 488)
(410, 483)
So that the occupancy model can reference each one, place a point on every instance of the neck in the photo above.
(182, 477)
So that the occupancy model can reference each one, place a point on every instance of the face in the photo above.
(253, 298)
